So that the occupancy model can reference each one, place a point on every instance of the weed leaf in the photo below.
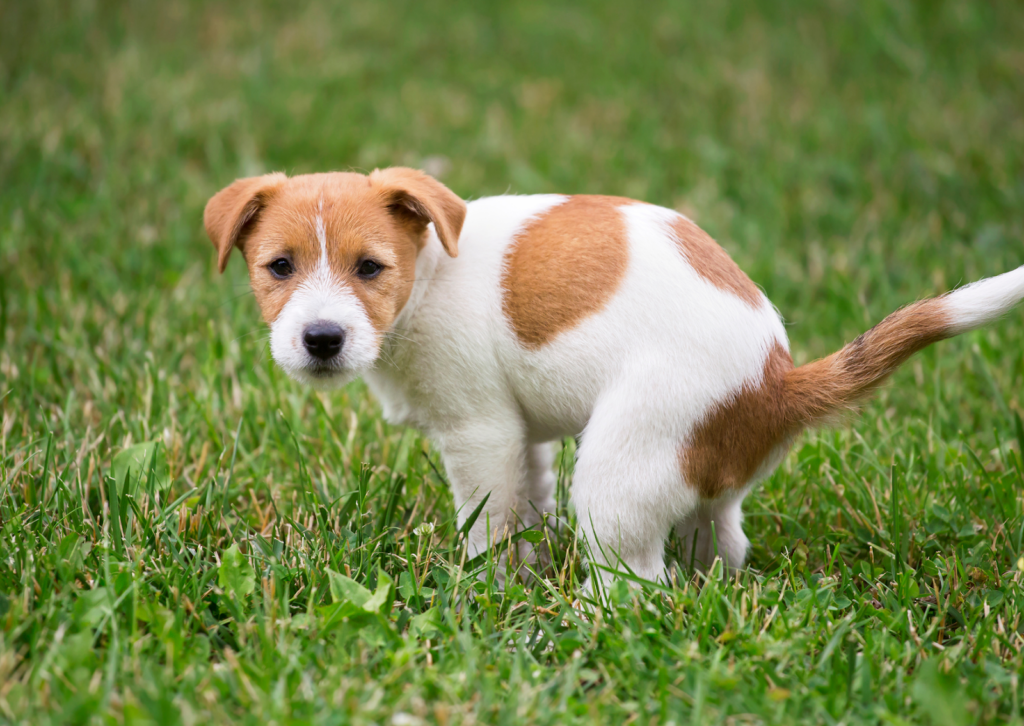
(939, 695)
(235, 576)
(345, 589)
(146, 460)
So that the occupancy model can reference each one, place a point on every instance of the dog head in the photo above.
(332, 258)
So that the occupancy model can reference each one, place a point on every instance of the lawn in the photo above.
(286, 557)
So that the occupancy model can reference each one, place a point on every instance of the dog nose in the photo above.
(323, 340)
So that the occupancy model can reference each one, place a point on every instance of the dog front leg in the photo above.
(487, 460)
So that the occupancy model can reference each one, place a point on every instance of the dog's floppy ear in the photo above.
(418, 199)
(232, 212)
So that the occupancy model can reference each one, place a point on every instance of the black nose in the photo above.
(323, 340)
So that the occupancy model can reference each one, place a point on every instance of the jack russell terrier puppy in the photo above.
(499, 326)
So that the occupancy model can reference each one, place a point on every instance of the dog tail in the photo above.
(819, 391)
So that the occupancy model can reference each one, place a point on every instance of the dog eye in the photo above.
(368, 269)
(281, 268)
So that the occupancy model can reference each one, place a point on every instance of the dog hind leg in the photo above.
(714, 529)
(538, 497)
(627, 489)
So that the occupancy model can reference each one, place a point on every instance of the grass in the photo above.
(288, 558)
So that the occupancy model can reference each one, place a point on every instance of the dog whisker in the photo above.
(254, 331)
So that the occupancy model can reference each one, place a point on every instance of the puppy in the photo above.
(500, 326)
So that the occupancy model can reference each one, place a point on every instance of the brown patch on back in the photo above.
(712, 262)
(564, 266)
(733, 441)
(729, 446)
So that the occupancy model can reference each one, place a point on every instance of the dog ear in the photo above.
(231, 213)
(417, 199)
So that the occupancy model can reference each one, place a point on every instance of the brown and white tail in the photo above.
(818, 391)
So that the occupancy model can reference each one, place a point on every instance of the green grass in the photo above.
(852, 156)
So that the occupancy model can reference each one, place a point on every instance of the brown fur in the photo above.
(231, 213)
(417, 199)
(383, 217)
(713, 263)
(730, 445)
(564, 266)
(821, 389)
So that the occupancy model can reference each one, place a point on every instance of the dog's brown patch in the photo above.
(564, 266)
(728, 447)
(231, 214)
(382, 217)
(713, 263)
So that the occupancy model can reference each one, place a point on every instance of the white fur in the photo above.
(321, 298)
(986, 300)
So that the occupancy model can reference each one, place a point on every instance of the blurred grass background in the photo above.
(851, 156)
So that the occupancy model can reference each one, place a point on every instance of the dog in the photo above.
(502, 325)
